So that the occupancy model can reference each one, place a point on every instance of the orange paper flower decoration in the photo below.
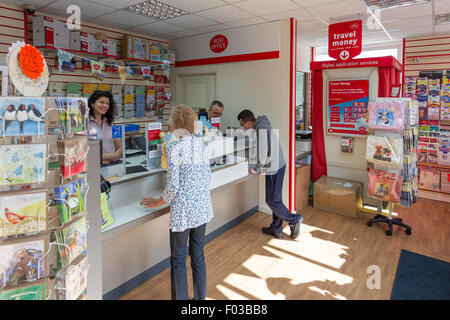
(31, 61)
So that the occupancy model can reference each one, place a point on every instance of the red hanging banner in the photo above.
(345, 40)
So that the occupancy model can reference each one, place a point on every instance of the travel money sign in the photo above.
(345, 40)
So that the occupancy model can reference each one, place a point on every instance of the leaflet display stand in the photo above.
(379, 217)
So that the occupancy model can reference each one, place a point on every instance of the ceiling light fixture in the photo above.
(156, 9)
(387, 4)
(442, 18)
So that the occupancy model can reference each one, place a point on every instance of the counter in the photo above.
(136, 246)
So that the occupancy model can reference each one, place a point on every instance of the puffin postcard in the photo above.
(23, 213)
(23, 164)
(70, 200)
(22, 116)
(23, 260)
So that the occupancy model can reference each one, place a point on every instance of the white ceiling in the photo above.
(216, 15)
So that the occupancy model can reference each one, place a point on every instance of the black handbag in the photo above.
(105, 186)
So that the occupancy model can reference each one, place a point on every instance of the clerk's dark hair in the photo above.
(97, 94)
(246, 115)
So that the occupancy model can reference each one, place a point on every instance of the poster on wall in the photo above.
(347, 107)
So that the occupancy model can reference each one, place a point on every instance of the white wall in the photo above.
(303, 57)
(261, 86)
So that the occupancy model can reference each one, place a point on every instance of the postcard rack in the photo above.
(43, 191)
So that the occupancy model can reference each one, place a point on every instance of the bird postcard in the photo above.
(36, 290)
(72, 280)
(22, 116)
(23, 213)
(71, 241)
(23, 260)
(23, 164)
(70, 200)
(72, 112)
(73, 155)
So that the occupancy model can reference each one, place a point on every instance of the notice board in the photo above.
(347, 102)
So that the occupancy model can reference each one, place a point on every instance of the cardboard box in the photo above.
(112, 48)
(62, 35)
(338, 196)
(74, 40)
(302, 179)
(127, 47)
(43, 31)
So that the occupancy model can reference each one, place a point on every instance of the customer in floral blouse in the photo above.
(187, 191)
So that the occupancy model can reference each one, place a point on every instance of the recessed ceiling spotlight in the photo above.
(156, 9)
(385, 4)
(442, 18)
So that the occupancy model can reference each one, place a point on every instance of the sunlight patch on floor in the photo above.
(312, 247)
(257, 287)
(326, 293)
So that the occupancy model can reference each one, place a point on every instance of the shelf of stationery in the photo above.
(81, 52)
(434, 165)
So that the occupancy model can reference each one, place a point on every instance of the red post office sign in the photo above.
(345, 40)
(218, 43)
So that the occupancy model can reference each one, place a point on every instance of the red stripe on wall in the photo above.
(429, 39)
(403, 65)
(228, 59)
(292, 96)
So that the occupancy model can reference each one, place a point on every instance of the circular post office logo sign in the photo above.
(218, 43)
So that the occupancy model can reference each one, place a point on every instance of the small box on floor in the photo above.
(338, 196)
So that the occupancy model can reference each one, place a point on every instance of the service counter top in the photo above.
(127, 191)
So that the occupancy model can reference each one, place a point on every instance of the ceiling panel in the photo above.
(310, 3)
(118, 4)
(315, 25)
(405, 13)
(186, 33)
(126, 18)
(191, 21)
(192, 6)
(161, 27)
(300, 14)
(405, 24)
(225, 13)
(444, 28)
(33, 3)
(213, 28)
(442, 6)
(88, 9)
(338, 9)
(263, 7)
(245, 22)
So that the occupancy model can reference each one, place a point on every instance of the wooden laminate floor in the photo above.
(331, 259)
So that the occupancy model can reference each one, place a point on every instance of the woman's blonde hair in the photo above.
(183, 117)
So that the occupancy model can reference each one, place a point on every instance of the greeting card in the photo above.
(72, 281)
(70, 200)
(22, 116)
(23, 213)
(73, 153)
(71, 241)
(23, 164)
(72, 113)
(23, 260)
(36, 290)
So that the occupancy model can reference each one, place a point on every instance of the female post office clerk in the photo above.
(101, 116)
